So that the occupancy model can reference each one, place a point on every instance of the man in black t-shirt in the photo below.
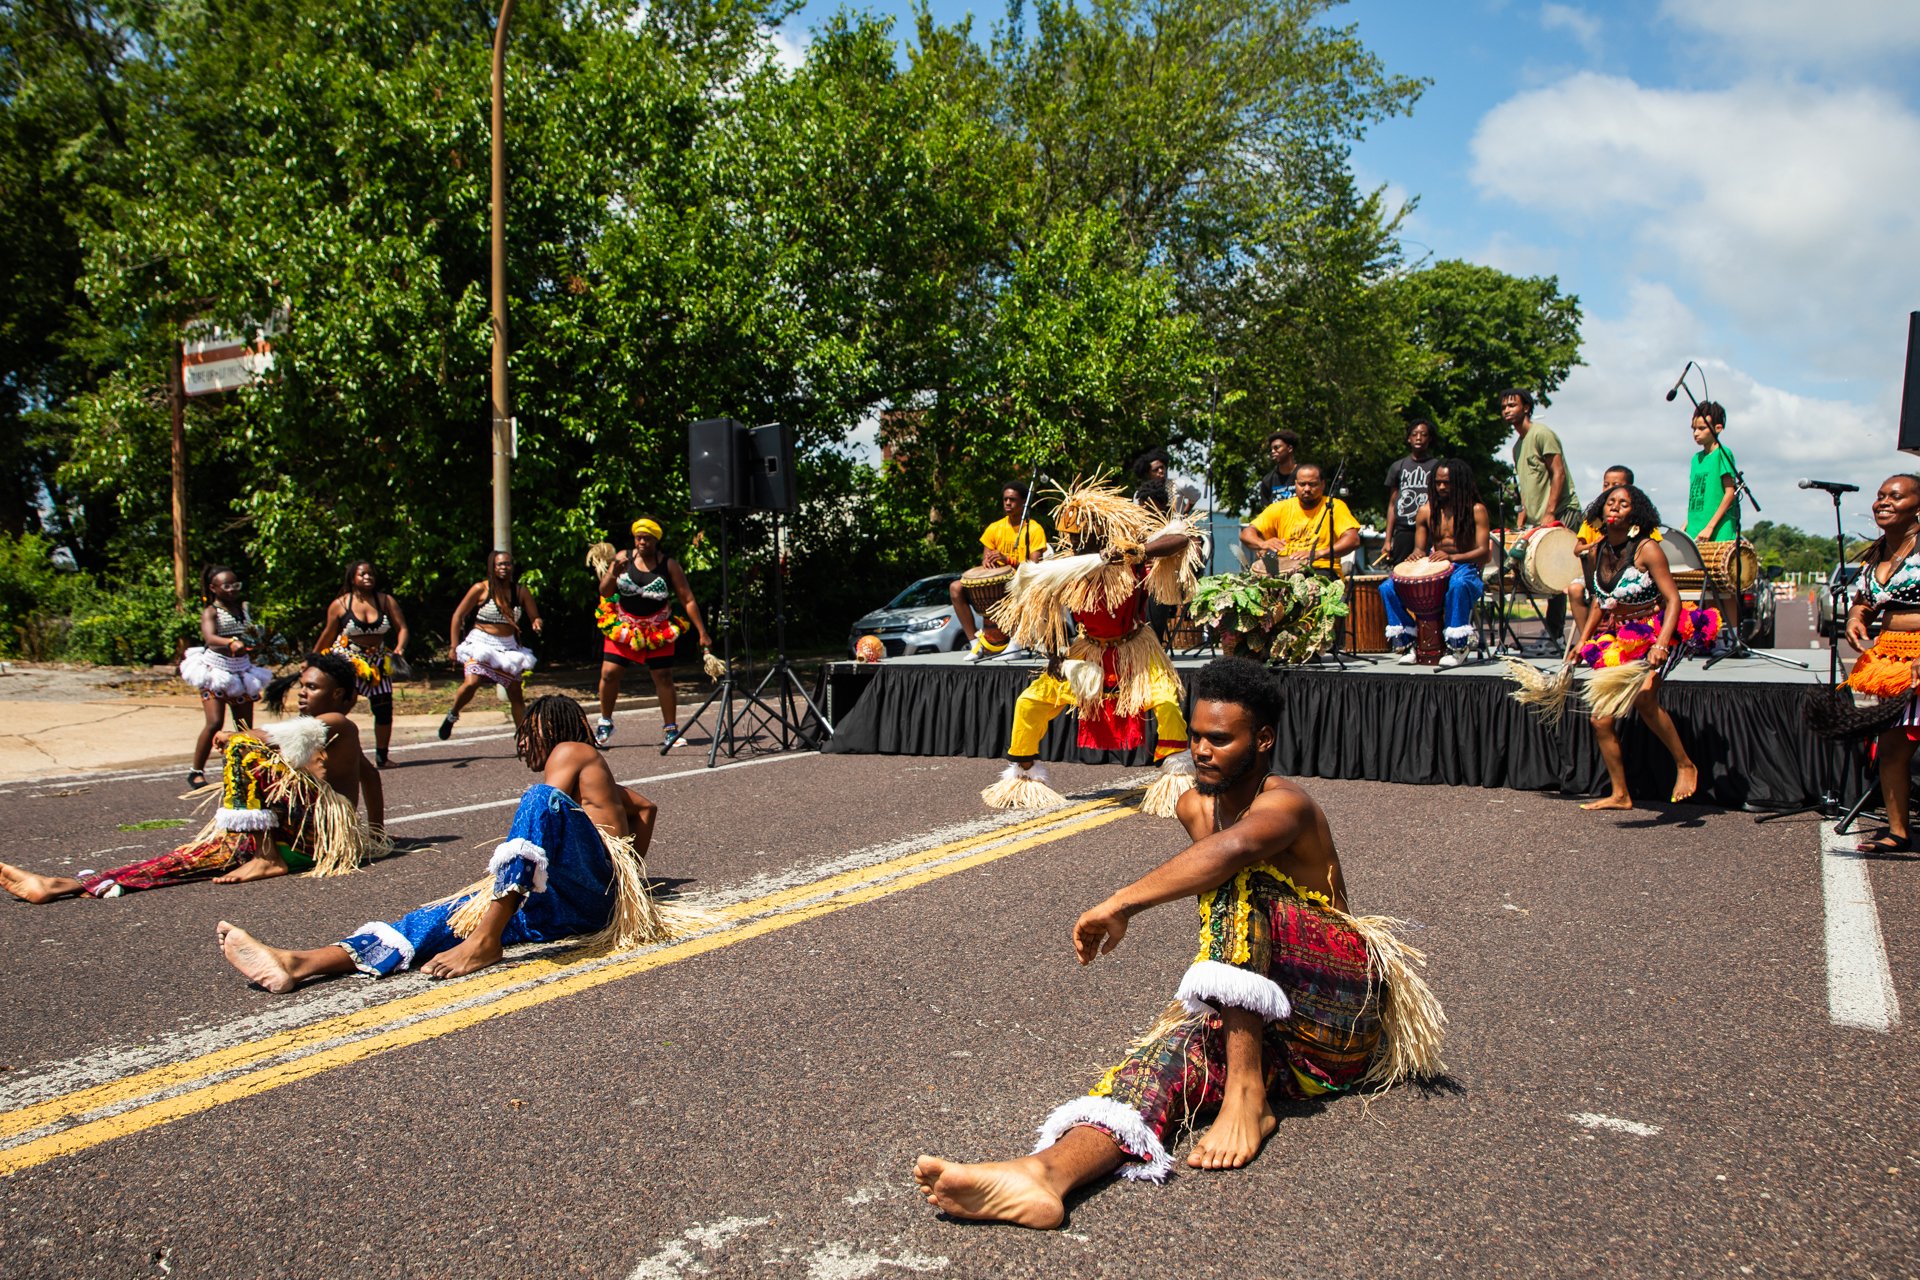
(1277, 484)
(1408, 480)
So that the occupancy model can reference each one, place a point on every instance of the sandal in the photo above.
(1885, 842)
(196, 779)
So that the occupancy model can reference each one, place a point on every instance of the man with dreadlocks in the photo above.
(572, 864)
(1114, 670)
(1290, 995)
(1450, 527)
(288, 802)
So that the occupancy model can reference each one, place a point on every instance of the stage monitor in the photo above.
(716, 464)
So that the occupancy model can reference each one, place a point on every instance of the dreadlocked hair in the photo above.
(550, 720)
(1644, 516)
(1460, 504)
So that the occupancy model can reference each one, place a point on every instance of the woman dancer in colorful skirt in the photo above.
(221, 666)
(1886, 596)
(498, 607)
(637, 595)
(1636, 631)
(359, 621)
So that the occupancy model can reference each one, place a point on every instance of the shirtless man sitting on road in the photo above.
(571, 863)
(1283, 997)
(252, 837)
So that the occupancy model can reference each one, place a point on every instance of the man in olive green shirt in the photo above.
(1539, 465)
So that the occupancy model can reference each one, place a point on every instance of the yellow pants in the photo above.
(1049, 695)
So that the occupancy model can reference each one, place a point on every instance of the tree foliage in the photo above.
(1128, 223)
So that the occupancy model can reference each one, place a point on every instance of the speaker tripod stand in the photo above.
(753, 710)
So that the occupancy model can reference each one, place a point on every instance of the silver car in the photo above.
(1824, 619)
(918, 620)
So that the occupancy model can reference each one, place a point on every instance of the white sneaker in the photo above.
(1013, 651)
(1408, 656)
(1454, 658)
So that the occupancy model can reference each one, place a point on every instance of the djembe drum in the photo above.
(1422, 588)
(1367, 615)
(982, 587)
(1731, 566)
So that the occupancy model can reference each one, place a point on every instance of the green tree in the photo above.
(1478, 331)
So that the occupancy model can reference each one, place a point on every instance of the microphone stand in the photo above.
(1505, 641)
(1338, 652)
(1737, 646)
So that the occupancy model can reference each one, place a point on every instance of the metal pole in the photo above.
(502, 417)
(177, 395)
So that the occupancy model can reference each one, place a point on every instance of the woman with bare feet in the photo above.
(1285, 997)
(287, 803)
(572, 864)
(492, 651)
(637, 595)
(1635, 632)
(1886, 595)
(221, 666)
(359, 622)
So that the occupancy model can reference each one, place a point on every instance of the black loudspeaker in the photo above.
(716, 464)
(1910, 390)
(770, 479)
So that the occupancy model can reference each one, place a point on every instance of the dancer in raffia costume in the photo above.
(573, 865)
(1115, 555)
(1290, 996)
(288, 802)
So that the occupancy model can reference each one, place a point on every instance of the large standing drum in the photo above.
(1367, 615)
(1422, 588)
(1546, 559)
(1731, 566)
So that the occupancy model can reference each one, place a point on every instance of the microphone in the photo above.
(1830, 486)
(1679, 382)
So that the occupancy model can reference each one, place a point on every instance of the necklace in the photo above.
(1218, 826)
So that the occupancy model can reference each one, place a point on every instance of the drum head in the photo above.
(1681, 552)
(1551, 561)
(985, 573)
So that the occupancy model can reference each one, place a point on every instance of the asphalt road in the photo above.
(1647, 1074)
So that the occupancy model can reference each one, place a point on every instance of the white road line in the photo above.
(1613, 1124)
(1859, 982)
(630, 782)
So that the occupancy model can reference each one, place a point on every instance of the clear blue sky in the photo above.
(1731, 181)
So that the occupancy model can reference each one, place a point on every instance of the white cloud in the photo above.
(1612, 410)
(1507, 252)
(1792, 207)
(1578, 23)
(790, 50)
(1799, 32)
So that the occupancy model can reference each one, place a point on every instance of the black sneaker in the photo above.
(380, 756)
(446, 728)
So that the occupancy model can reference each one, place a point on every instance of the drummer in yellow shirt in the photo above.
(1611, 479)
(1309, 524)
(1010, 540)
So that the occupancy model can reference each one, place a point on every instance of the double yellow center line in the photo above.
(86, 1117)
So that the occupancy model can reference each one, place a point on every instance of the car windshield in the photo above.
(1848, 572)
(927, 591)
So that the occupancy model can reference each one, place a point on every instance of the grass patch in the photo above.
(154, 824)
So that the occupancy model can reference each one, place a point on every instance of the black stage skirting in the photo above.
(1459, 730)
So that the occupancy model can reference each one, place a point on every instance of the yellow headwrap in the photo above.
(646, 526)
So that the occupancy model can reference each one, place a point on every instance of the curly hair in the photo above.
(1644, 515)
(1244, 683)
(551, 719)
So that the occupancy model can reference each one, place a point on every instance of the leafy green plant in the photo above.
(1280, 620)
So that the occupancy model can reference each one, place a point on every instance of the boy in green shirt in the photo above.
(1713, 495)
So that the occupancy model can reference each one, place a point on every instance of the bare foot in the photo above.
(1686, 784)
(1236, 1136)
(261, 866)
(1013, 1191)
(259, 963)
(1611, 802)
(28, 887)
(471, 956)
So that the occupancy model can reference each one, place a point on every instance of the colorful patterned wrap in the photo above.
(634, 638)
(372, 667)
(1614, 644)
(1272, 931)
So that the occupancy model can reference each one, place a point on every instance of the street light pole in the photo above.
(502, 417)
